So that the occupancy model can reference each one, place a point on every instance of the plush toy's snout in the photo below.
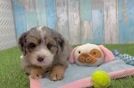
(89, 58)
(86, 58)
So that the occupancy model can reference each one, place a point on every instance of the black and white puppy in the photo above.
(44, 50)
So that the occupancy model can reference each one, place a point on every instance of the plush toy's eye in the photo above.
(79, 52)
(94, 53)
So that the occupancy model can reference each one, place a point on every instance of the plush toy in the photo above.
(90, 55)
(100, 79)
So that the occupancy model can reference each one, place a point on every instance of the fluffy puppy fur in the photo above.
(44, 50)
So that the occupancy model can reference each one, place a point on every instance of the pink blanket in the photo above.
(84, 81)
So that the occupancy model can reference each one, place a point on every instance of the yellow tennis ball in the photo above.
(100, 79)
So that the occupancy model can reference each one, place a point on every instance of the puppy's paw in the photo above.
(36, 74)
(57, 74)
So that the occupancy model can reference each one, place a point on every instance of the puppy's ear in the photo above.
(60, 41)
(22, 42)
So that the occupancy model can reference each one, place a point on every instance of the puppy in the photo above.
(44, 50)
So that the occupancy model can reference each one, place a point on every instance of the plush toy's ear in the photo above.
(72, 57)
(108, 55)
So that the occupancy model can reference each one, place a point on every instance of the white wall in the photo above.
(7, 29)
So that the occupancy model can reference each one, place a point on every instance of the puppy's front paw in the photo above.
(56, 76)
(36, 74)
(57, 73)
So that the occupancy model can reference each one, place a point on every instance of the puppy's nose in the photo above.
(40, 59)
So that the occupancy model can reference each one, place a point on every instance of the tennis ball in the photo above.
(100, 79)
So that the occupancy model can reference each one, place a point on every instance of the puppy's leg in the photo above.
(35, 72)
(57, 72)
(60, 63)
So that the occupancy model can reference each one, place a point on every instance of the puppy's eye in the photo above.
(49, 46)
(31, 45)
(79, 52)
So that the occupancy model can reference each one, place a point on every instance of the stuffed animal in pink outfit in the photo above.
(90, 55)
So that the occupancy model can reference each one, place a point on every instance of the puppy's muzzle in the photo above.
(40, 59)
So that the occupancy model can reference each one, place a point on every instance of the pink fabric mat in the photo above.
(86, 82)
(34, 83)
